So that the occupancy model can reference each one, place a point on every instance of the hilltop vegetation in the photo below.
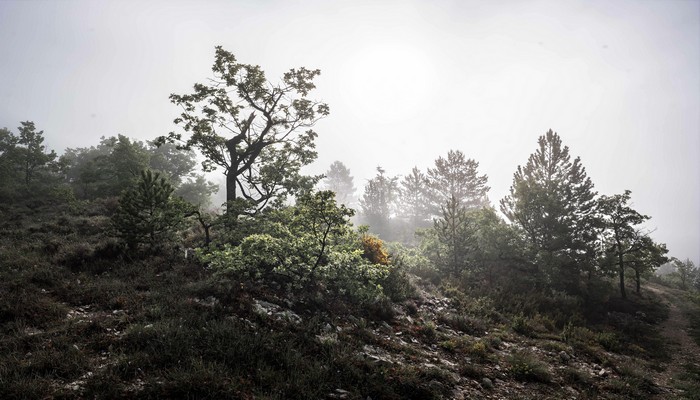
(118, 280)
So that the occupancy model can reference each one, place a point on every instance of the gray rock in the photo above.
(487, 383)
(565, 358)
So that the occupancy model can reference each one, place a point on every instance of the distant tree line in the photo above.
(557, 232)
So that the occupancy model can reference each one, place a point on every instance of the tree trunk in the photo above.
(637, 278)
(622, 276)
(230, 188)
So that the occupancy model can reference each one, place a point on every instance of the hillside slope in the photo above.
(81, 321)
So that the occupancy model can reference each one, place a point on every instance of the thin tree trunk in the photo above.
(622, 276)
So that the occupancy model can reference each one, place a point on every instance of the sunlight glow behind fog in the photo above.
(391, 81)
(406, 82)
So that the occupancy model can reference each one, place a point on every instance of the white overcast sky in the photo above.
(406, 81)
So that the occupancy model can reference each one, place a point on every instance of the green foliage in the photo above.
(303, 245)
(25, 164)
(115, 164)
(454, 235)
(686, 271)
(455, 179)
(106, 169)
(378, 203)
(31, 153)
(196, 190)
(414, 261)
(171, 162)
(413, 200)
(626, 245)
(552, 203)
(147, 215)
(521, 325)
(427, 332)
(463, 323)
(524, 366)
(250, 127)
(475, 245)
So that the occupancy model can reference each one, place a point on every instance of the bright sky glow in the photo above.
(406, 81)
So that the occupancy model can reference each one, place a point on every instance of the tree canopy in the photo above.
(252, 128)
(24, 157)
(377, 202)
(624, 239)
(552, 202)
(456, 178)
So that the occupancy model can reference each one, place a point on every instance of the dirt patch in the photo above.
(683, 349)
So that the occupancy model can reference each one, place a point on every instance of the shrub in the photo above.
(521, 325)
(575, 376)
(397, 285)
(427, 332)
(75, 254)
(373, 250)
(381, 309)
(312, 245)
(524, 366)
(577, 335)
(609, 340)
(471, 371)
(463, 323)
(478, 349)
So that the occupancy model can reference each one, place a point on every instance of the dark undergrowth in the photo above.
(74, 324)
(78, 319)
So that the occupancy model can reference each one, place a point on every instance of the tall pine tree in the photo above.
(552, 201)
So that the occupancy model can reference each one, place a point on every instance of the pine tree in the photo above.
(457, 177)
(455, 234)
(147, 214)
(552, 202)
(378, 203)
(339, 181)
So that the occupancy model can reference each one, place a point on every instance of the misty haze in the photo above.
(350, 200)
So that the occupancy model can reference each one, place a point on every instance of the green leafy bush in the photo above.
(311, 245)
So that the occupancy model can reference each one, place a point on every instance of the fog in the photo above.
(406, 82)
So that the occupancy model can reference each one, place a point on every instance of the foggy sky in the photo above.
(406, 82)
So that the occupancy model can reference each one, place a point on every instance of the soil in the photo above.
(684, 350)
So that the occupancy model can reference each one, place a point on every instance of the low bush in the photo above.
(524, 366)
(463, 323)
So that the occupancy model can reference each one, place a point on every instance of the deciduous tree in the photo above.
(685, 270)
(252, 128)
(624, 238)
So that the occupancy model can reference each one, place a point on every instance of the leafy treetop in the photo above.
(250, 127)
